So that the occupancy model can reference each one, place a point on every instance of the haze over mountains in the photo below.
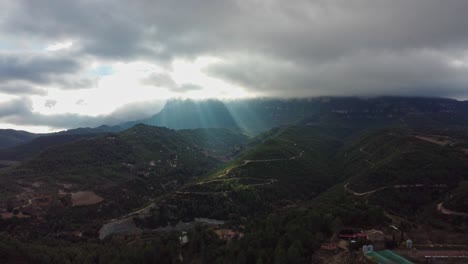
(257, 115)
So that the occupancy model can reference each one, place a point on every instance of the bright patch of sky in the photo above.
(59, 46)
(121, 83)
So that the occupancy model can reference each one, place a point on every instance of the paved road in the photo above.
(440, 206)
(443, 210)
(363, 193)
(251, 161)
(396, 186)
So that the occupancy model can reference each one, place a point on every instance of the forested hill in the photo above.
(125, 169)
(10, 137)
(405, 171)
(254, 116)
(282, 193)
(37, 145)
(137, 146)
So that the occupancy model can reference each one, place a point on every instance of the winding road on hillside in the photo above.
(363, 193)
(247, 162)
(440, 206)
(443, 210)
(268, 181)
(396, 186)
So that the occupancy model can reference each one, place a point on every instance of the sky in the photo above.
(82, 63)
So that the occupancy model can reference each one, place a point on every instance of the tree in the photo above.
(10, 205)
(295, 252)
(280, 255)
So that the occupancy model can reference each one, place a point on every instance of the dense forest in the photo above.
(220, 195)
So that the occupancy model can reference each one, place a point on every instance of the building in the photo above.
(387, 257)
(329, 246)
(183, 238)
(352, 234)
(227, 234)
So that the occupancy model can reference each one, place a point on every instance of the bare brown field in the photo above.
(85, 198)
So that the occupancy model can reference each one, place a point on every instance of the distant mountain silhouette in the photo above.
(259, 115)
(11, 137)
(187, 114)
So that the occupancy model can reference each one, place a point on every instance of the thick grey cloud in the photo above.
(160, 80)
(307, 47)
(34, 68)
(50, 103)
(420, 73)
(20, 72)
(165, 81)
(16, 107)
(110, 29)
(270, 47)
(21, 89)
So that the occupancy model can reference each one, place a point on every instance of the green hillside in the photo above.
(291, 165)
(32, 148)
(127, 169)
(286, 190)
(220, 142)
(405, 169)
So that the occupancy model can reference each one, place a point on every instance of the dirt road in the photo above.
(443, 210)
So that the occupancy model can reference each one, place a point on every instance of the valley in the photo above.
(222, 195)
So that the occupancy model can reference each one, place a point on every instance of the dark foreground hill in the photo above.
(9, 139)
(407, 170)
(117, 172)
(302, 184)
(398, 169)
(37, 145)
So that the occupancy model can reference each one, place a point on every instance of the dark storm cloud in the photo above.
(40, 69)
(34, 68)
(21, 89)
(310, 47)
(109, 29)
(16, 107)
(420, 73)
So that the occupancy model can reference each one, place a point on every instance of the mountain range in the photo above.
(284, 176)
